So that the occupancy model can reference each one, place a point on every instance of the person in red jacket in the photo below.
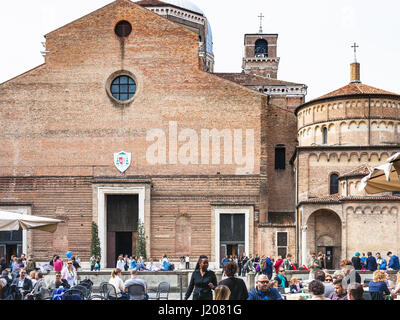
(277, 264)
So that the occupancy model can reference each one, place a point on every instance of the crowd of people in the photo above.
(264, 264)
(344, 284)
(125, 263)
(24, 280)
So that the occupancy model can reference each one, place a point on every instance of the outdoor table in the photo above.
(296, 296)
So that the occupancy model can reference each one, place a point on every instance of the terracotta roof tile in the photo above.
(336, 198)
(359, 171)
(355, 88)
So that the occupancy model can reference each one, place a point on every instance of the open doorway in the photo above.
(122, 224)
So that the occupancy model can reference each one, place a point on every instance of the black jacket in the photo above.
(27, 285)
(200, 285)
(237, 286)
(356, 261)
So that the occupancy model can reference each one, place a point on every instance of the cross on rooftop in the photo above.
(261, 17)
(355, 46)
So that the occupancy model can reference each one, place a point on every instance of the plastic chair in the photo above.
(73, 294)
(107, 290)
(88, 284)
(163, 290)
(86, 293)
(136, 292)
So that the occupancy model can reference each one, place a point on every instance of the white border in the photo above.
(102, 192)
(218, 212)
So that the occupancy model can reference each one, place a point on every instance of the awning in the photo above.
(384, 178)
(10, 221)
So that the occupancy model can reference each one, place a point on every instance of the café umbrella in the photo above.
(10, 221)
(384, 178)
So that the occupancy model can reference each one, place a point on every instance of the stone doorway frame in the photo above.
(143, 191)
(306, 211)
(215, 234)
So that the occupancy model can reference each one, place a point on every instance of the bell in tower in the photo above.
(260, 54)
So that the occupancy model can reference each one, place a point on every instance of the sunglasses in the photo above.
(330, 280)
(69, 262)
(264, 282)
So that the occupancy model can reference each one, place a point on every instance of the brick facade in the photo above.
(60, 130)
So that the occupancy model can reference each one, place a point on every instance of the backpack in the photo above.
(171, 267)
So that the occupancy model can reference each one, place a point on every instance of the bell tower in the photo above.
(260, 54)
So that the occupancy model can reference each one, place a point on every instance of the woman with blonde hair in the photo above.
(222, 292)
(32, 275)
(295, 286)
(378, 287)
(118, 284)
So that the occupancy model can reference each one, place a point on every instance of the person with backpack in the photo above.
(394, 261)
(267, 267)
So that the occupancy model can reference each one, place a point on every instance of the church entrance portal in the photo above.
(324, 235)
(122, 226)
(232, 234)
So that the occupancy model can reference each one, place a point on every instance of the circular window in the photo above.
(123, 88)
(123, 29)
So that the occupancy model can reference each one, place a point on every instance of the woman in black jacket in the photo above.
(203, 281)
(236, 285)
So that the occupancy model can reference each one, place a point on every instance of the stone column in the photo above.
(218, 274)
(304, 245)
(251, 280)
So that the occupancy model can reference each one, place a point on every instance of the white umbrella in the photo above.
(385, 178)
(10, 221)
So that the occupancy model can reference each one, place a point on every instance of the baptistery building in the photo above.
(342, 136)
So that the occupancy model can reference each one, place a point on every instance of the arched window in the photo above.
(325, 135)
(333, 184)
(261, 48)
(280, 157)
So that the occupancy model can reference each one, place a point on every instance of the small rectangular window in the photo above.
(280, 158)
(282, 243)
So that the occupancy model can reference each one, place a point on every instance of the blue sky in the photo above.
(315, 36)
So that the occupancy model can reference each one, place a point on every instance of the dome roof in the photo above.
(353, 89)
